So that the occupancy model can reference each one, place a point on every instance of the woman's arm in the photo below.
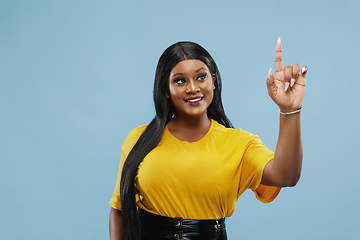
(287, 89)
(116, 225)
(284, 170)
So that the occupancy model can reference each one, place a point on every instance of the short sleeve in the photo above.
(115, 201)
(254, 160)
(128, 144)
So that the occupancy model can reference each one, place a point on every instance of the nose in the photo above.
(192, 87)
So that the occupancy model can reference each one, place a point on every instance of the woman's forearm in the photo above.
(285, 169)
(289, 149)
(116, 225)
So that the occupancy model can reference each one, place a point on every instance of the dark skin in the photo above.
(191, 86)
(190, 79)
(287, 90)
(116, 230)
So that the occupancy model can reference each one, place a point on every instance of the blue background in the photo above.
(77, 76)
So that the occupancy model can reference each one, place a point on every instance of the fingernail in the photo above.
(303, 70)
(269, 73)
(292, 82)
(286, 86)
(279, 40)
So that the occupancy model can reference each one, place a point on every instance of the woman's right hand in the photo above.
(287, 87)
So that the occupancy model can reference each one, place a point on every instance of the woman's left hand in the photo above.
(287, 88)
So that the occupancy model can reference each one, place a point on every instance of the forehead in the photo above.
(188, 67)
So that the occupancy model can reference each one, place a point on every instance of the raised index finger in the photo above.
(278, 57)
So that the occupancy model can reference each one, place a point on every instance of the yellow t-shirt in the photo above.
(198, 180)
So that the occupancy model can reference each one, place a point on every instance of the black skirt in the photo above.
(155, 227)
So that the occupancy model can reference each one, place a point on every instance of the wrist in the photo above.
(289, 111)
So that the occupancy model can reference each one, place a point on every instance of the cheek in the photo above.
(211, 97)
(175, 92)
(210, 90)
(172, 92)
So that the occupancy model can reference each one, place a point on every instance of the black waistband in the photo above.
(157, 221)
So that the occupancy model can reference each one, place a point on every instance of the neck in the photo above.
(189, 128)
(191, 122)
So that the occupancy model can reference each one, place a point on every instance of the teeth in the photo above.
(194, 100)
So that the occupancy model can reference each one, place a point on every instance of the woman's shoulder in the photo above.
(138, 130)
(133, 136)
(235, 137)
(233, 132)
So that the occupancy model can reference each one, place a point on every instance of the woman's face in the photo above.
(191, 87)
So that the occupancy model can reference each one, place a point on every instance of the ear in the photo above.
(214, 79)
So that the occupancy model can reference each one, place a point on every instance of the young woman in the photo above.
(181, 175)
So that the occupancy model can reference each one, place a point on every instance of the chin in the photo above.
(195, 113)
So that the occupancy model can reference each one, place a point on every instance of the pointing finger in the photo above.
(278, 57)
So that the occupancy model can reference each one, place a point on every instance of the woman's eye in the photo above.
(201, 77)
(179, 81)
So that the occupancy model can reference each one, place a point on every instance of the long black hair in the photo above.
(164, 112)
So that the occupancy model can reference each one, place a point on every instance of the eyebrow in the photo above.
(202, 68)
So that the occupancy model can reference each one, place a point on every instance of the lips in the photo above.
(194, 99)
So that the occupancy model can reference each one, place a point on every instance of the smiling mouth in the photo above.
(192, 100)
